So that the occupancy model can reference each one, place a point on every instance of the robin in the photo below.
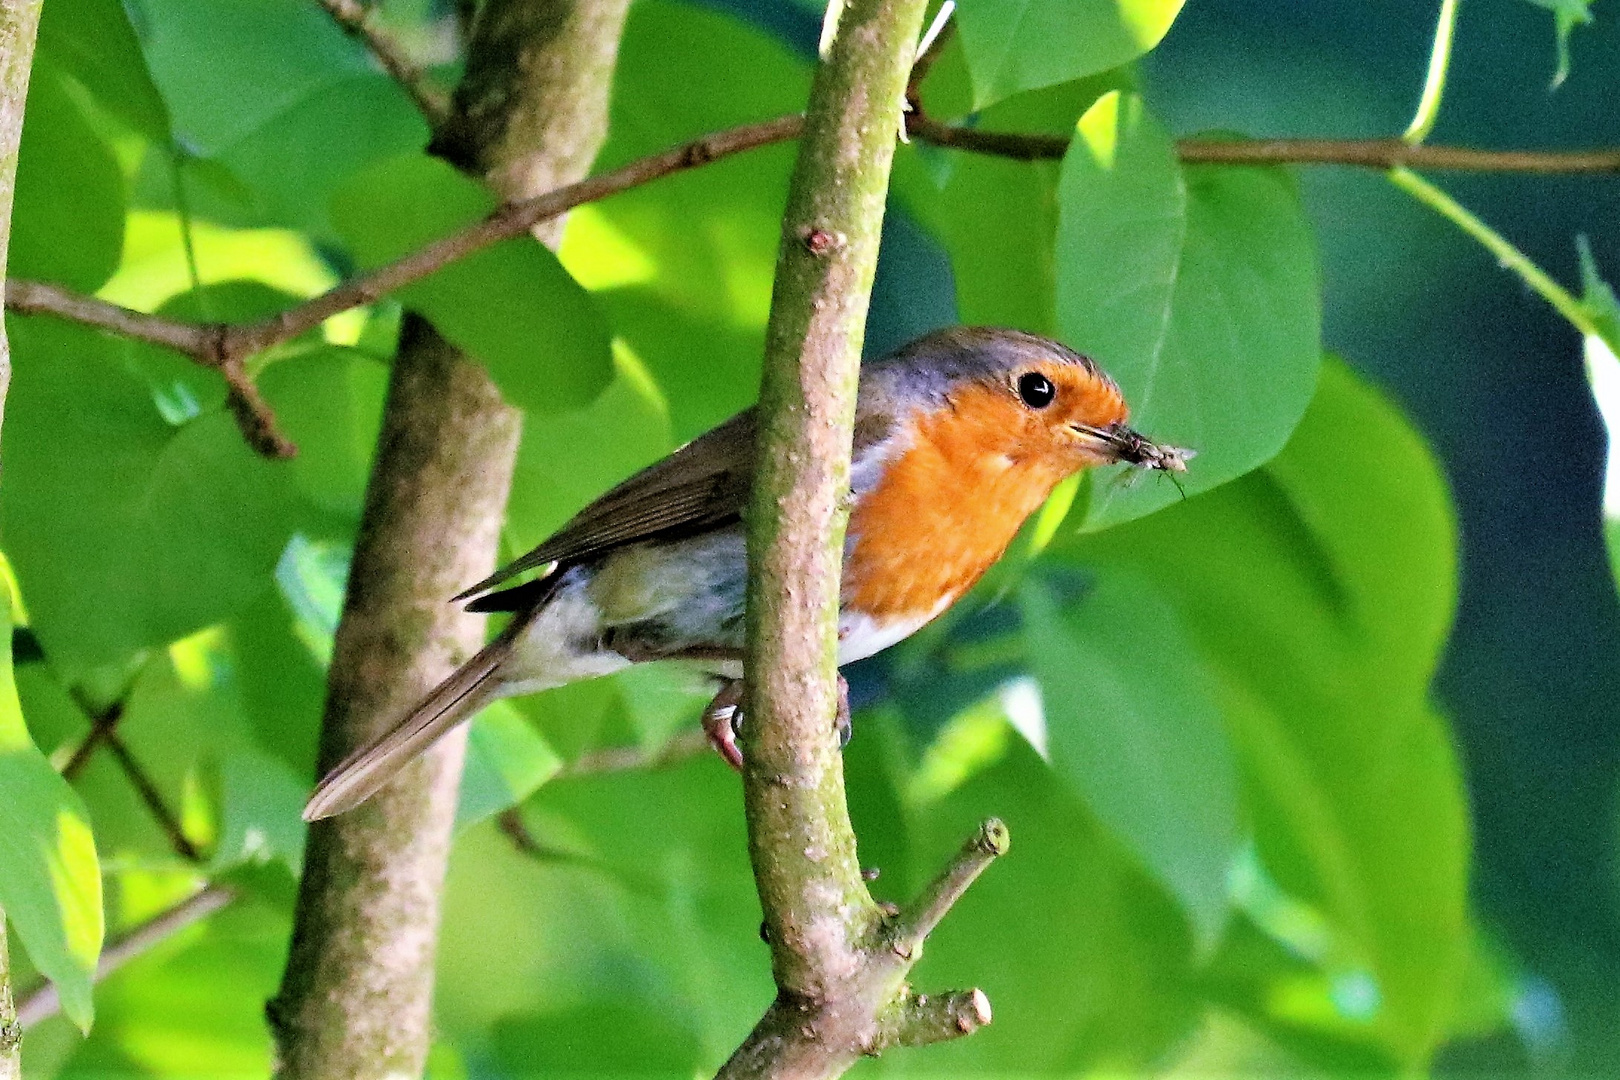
(959, 436)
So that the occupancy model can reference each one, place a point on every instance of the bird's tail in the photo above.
(357, 777)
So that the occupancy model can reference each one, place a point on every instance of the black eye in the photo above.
(1036, 389)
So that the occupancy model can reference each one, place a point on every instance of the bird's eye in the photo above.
(1036, 389)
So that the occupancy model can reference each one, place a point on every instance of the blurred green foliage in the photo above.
(1241, 835)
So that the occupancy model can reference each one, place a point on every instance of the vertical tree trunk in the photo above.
(356, 997)
(19, 20)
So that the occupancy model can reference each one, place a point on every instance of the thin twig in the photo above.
(917, 922)
(1507, 255)
(682, 747)
(45, 1003)
(1434, 83)
(223, 347)
(355, 19)
(101, 726)
(202, 342)
(149, 794)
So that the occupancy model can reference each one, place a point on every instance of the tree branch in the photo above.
(355, 999)
(45, 1003)
(355, 20)
(224, 347)
(839, 968)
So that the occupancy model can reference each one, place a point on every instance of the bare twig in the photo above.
(1359, 153)
(918, 921)
(203, 342)
(44, 1002)
(224, 347)
(355, 19)
(679, 748)
(152, 798)
(933, 46)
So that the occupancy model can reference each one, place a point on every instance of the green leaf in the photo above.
(684, 266)
(1197, 291)
(125, 531)
(1598, 298)
(1567, 14)
(68, 219)
(297, 158)
(512, 306)
(227, 66)
(329, 402)
(93, 41)
(1320, 590)
(1133, 726)
(261, 811)
(50, 881)
(507, 759)
(1017, 45)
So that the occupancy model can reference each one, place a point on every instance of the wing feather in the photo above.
(701, 486)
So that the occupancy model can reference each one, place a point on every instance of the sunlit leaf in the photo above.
(50, 882)
(548, 350)
(1017, 45)
(1196, 291)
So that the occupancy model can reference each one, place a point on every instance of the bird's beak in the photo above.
(1119, 443)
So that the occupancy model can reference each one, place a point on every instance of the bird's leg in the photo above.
(720, 721)
(845, 728)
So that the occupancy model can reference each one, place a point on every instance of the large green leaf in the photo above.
(126, 531)
(1321, 589)
(1017, 45)
(50, 882)
(512, 306)
(1197, 291)
(68, 219)
(1133, 725)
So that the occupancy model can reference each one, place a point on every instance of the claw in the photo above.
(845, 729)
(721, 719)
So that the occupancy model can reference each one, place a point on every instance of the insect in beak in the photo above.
(1131, 448)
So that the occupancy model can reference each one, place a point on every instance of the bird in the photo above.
(958, 437)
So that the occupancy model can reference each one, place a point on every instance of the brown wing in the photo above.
(699, 487)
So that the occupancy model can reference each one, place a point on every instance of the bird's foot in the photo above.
(722, 720)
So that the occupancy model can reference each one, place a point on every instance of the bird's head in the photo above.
(1020, 398)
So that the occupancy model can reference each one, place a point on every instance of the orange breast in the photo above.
(946, 508)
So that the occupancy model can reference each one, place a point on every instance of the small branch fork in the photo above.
(104, 732)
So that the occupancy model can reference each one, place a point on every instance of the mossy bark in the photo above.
(356, 996)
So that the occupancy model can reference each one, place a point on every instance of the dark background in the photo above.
(1493, 378)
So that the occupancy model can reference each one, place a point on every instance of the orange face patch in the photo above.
(948, 506)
